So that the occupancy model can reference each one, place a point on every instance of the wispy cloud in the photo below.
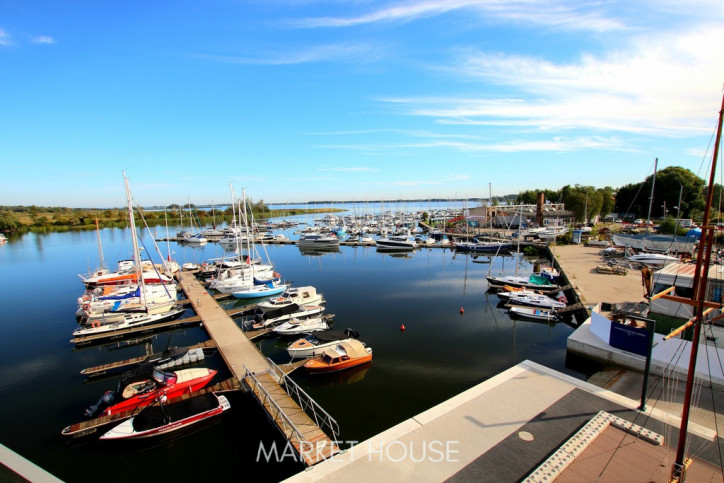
(409, 182)
(5, 38)
(657, 86)
(313, 54)
(353, 169)
(43, 39)
(560, 13)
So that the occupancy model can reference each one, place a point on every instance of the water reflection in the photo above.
(340, 378)
(318, 252)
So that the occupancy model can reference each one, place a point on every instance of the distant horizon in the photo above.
(390, 99)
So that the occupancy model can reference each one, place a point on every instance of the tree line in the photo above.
(23, 218)
(678, 193)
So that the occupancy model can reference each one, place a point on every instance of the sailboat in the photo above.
(197, 238)
(702, 308)
(263, 285)
(145, 311)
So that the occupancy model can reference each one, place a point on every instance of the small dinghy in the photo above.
(533, 313)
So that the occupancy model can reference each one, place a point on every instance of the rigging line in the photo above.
(713, 402)
(711, 385)
(706, 152)
(635, 419)
(628, 210)
(664, 386)
(140, 212)
(696, 400)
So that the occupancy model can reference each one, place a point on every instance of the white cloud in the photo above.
(354, 169)
(5, 38)
(566, 14)
(43, 39)
(663, 86)
(321, 53)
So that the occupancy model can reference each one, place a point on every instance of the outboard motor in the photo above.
(352, 333)
(106, 399)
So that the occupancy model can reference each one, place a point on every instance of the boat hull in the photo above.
(179, 415)
(316, 367)
(189, 380)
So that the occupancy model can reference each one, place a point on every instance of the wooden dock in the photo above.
(246, 363)
(103, 368)
(196, 319)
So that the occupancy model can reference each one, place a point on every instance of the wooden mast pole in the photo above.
(700, 284)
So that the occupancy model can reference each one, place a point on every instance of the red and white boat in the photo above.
(144, 385)
(106, 277)
(342, 356)
(162, 419)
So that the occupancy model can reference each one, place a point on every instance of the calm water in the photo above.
(440, 354)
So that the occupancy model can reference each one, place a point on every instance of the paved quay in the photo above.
(499, 430)
(579, 262)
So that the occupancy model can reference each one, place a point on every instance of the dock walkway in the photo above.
(248, 364)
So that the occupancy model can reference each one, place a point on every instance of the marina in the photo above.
(262, 366)
(356, 282)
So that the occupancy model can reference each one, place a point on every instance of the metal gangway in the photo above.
(299, 417)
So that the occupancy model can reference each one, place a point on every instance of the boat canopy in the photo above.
(354, 348)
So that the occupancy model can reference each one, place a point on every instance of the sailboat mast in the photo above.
(651, 198)
(134, 239)
(100, 247)
(701, 276)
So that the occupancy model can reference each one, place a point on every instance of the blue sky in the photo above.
(304, 100)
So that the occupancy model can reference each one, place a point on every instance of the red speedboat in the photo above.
(144, 385)
(164, 418)
(342, 356)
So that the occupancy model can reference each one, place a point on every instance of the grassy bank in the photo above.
(23, 218)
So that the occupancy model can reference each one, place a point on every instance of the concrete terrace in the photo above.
(499, 430)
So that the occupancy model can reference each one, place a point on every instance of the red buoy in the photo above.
(461, 311)
(402, 327)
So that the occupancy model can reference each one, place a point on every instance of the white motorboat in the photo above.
(318, 241)
(269, 318)
(657, 259)
(197, 240)
(294, 295)
(529, 298)
(533, 313)
(296, 326)
(401, 242)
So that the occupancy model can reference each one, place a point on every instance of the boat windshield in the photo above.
(164, 378)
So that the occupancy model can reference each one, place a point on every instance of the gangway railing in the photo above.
(321, 417)
(275, 412)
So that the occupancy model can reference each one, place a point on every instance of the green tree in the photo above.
(8, 221)
(635, 198)
(584, 201)
(607, 200)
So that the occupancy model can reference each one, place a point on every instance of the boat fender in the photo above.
(95, 324)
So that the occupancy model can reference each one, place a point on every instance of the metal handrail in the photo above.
(321, 417)
(289, 425)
